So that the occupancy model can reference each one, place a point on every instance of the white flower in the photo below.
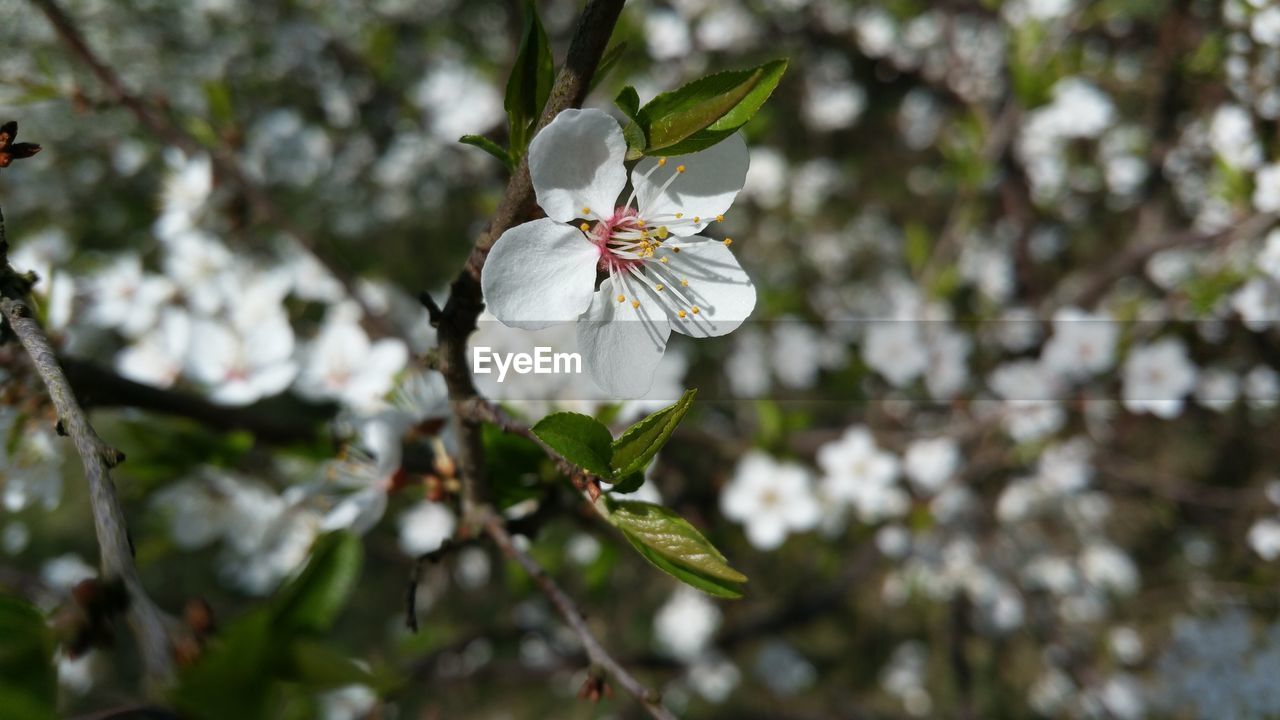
(159, 356)
(1269, 259)
(684, 624)
(930, 463)
(195, 261)
(343, 365)
(896, 350)
(661, 274)
(1231, 136)
(349, 702)
(1264, 538)
(771, 498)
(1083, 343)
(1258, 303)
(242, 364)
(425, 527)
(126, 298)
(860, 474)
(1157, 377)
(187, 188)
(1266, 189)
(1031, 410)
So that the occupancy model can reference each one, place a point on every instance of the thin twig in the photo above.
(148, 622)
(494, 527)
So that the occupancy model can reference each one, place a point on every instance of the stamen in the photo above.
(728, 242)
(662, 260)
(696, 310)
(584, 227)
(679, 168)
(682, 314)
(586, 211)
(658, 287)
(679, 215)
(662, 162)
(635, 304)
(622, 298)
(719, 218)
(684, 282)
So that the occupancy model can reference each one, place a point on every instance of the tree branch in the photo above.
(148, 622)
(494, 527)
(458, 317)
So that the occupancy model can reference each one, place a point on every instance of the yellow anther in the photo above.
(635, 304)
(679, 215)
(697, 219)
(662, 260)
(675, 249)
(622, 298)
(728, 242)
(682, 314)
(679, 168)
(658, 287)
(584, 227)
(684, 282)
(696, 310)
(662, 162)
(586, 211)
(663, 232)
(719, 218)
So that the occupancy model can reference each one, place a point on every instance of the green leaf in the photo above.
(628, 101)
(530, 82)
(312, 600)
(674, 546)
(637, 446)
(581, 439)
(706, 111)
(234, 676)
(607, 62)
(28, 680)
(490, 147)
(318, 665)
(514, 465)
(628, 484)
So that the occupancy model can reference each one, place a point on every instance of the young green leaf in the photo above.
(607, 62)
(706, 111)
(530, 82)
(490, 147)
(628, 101)
(312, 600)
(581, 439)
(673, 545)
(628, 484)
(514, 465)
(637, 446)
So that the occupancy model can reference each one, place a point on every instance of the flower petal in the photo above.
(576, 162)
(718, 287)
(711, 180)
(539, 274)
(621, 345)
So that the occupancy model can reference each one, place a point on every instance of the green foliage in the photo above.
(28, 681)
(580, 439)
(699, 114)
(637, 446)
(490, 147)
(529, 84)
(674, 546)
(244, 672)
(515, 466)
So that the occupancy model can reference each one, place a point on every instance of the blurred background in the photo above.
(1000, 439)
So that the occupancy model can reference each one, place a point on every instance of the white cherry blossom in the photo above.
(857, 472)
(1157, 378)
(772, 499)
(343, 364)
(659, 274)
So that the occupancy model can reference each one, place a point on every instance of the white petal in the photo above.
(539, 274)
(711, 180)
(622, 345)
(576, 162)
(718, 286)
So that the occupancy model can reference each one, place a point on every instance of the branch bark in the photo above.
(494, 527)
(149, 624)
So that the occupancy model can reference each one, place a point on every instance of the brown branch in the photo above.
(224, 162)
(1131, 259)
(457, 320)
(494, 527)
(148, 622)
